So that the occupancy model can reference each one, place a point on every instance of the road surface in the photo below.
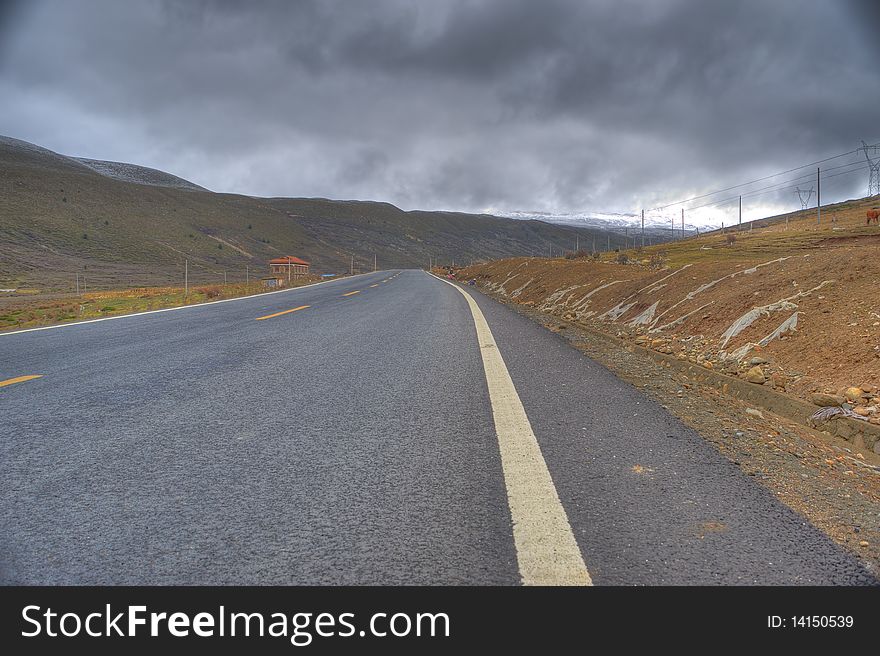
(361, 432)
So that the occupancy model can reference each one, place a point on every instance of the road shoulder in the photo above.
(818, 476)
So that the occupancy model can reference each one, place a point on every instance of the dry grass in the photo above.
(32, 313)
(787, 234)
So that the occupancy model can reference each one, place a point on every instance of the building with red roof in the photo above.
(286, 268)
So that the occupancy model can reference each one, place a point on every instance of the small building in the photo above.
(287, 268)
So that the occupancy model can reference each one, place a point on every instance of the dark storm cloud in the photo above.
(507, 104)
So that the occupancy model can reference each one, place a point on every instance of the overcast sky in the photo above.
(561, 106)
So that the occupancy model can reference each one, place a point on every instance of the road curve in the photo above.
(344, 434)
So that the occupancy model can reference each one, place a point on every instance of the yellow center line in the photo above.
(20, 379)
(278, 314)
(352, 293)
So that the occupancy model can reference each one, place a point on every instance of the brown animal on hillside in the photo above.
(873, 215)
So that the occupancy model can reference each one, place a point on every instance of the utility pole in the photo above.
(374, 262)
(740, 209)
(682, 223)
(818, 195)
(85, 289)
(351, 267)
(247, 278)
(577, 243)
(185, 278)
(643, 228)
(608, 243)
(77, 283)
(594, 245)
(874, 166)
(430, 264)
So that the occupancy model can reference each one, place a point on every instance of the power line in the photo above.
(781, 186)
(777, 187)
(767, 177)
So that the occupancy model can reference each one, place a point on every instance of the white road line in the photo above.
(179, 307)
(546, 550)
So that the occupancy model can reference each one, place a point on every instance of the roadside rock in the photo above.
(755, 375)
(853, 394)
(826, 400)
(778, 381)
(758, 360)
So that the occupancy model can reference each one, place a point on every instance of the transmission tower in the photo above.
(874, 165)
(805, 195)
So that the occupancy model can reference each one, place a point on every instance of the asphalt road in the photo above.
(353, 442)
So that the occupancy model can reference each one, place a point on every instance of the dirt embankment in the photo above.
(804, 321)
(790, 307)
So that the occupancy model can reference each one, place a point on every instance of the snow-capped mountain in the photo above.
(613, 221)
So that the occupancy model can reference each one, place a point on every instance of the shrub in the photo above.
(730, 239)
(622, 258)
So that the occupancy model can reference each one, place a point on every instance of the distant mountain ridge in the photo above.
(619, 222)
(123, 225)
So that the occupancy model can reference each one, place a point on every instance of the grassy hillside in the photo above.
(127, 226)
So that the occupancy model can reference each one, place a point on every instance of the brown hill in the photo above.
(122, 225)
